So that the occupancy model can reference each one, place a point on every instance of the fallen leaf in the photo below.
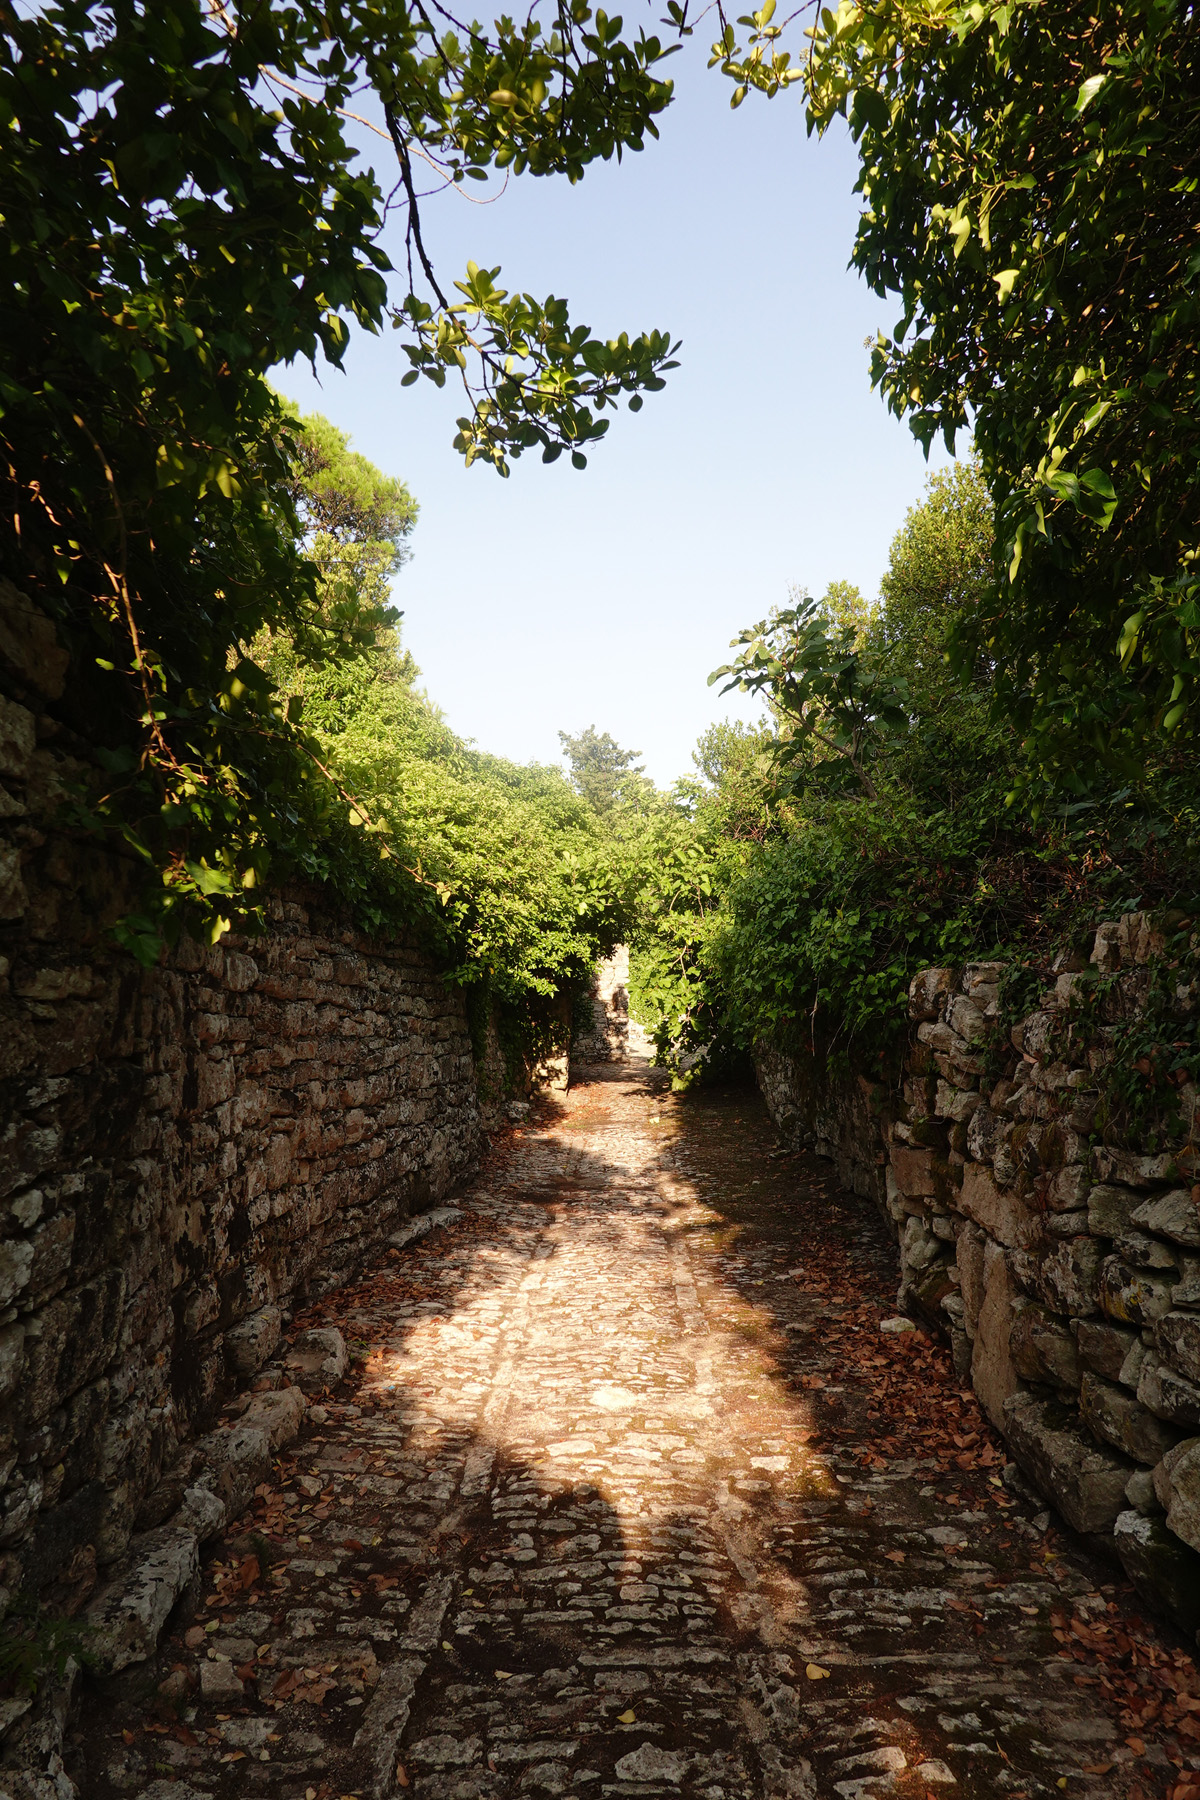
(626, 1718)
(503, 1674)
(815, 1672)
(896, 1556)
(401, 1776)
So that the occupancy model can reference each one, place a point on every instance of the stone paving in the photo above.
(604, 1511)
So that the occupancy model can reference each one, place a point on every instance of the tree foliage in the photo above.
(601, 772)
(183, 211)
(1031, 177)
(795, 900)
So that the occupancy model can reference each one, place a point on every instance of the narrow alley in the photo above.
(628, 1493)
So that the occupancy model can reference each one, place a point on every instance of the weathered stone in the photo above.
(1043, 1348)
(1104, 1347)
(317, 1359)
(1131, 1295)
(992, 1373)
(1177, 1335)
(29, 645)
(649, 1763)
(1174, 1215)
(234, 1460)
(1065, 1224)
(919, 1173)
(1177, 1484)
(940, 1037)
(1114, 1415)
(1146, 1252)
(927, 992)
(969, 1257)
(1166, 1393)
(1086, 1483)
(1111, 1208)
(1001, 1215)
(279, 1415)
(956, 1103)
(1070, 1277)
(220, 1682)
(1068, 1189)
(1130, 1169)
(18, 735)
(965, 1018)
(250, 1344)
(1139, 1491)
(126, 1618)
(202, 1512)
(1165, 1571)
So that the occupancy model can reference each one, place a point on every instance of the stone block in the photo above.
(279, 1414)
(1139, 1491)
(1166, 1393)
(1070, 1277)
(927, 992)
(1043, 1347)
(1130, 1169)
(969, 1256)
(18, 737)
(251, 1343)
(1067, 1189)
(234, 1460)
(957, 1104)
(1112, 1413)
(1111, 1208)
(12, 1360)
(984, 1132)
(1133, 1296)
(1177, 1335)
(127, 1616)
(201, 1512)
(1146, 1252)
(1001, 1214)
(1164, 1570)
(1032, 1036)
(967, 1020)
(919, 1247)
(1173, 1215)
(1177, 1484)
(1104, 1347)
(221, 1683)
(1085, 1482)
(317, 1359)
(29, 646)
(1065, 1224)
(992, 1373)
(943, 1040)
(919, 1173)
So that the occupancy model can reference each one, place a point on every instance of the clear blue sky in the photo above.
(564, 599)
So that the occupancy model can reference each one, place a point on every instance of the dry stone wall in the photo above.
(604, 1031)
(1062, 1262)
(185, 1153)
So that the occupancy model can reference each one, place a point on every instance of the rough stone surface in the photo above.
(1085, 1482)
(186, 1153)
(617, 1504)
(604, 1031)
(1050, 1261)
(126, 1618)
(1158, 1562)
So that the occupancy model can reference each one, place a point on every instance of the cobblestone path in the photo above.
(605, 1511)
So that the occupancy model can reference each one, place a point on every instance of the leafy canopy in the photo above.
(601, 772)
(184, 210)
(1029, 170)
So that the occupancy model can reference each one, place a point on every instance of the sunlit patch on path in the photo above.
(630, 1495)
